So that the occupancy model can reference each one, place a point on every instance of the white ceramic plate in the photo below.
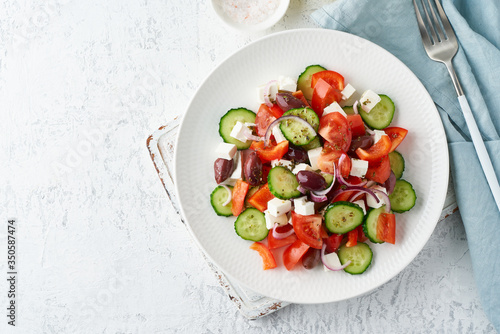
(233, 84)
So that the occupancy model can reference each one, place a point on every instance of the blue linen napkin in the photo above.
(392, 25)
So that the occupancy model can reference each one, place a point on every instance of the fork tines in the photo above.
(434, 29)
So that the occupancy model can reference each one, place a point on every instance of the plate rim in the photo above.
(440, 128)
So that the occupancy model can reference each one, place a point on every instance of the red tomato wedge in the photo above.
(271, 152)
(333, 242)
(334, 128)
(239, 193)
(268, 261)
(274, 243)
(346, 195)
(329, 156)
(361, 234)
(386, 227)
(276, 111)
(333, 78)
(379, 171)
(324, 95)
(308, 229)
(260, 198)
(293, 254)
(263, 119)
(356, 125)
(298, 94)
(352, 238)
(396, 135)
(376, 151)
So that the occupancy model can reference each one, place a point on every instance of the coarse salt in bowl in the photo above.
(250, 15)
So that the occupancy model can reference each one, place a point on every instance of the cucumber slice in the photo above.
(403, 196)
(370, 225)
(349, 110)
(397, 164)
(381, 115)
(328, 178)
(217, 198)
(304, 80)
(251, 225)
(295, 132)
(229, 120)
(342, 217)
(315, 143)
(360, 256)
(250, 193)
(283, 183)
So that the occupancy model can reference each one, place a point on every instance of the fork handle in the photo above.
(484, 158)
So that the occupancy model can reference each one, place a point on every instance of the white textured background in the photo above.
(82, 85)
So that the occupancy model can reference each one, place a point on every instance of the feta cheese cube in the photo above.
(334, 107)
(287, 83)
(332, 260)
(226, 151)
(348, 92)
(278, 135)
(273, 90)
(301, 167)
(372, 203)
(378, 135)
(302, 199)
(282, 162)
(361, 203)
(304, 208)
(359, 167)
(368, 100)
(238, 132)
(277, 207)
(313, 157)
(271, 220)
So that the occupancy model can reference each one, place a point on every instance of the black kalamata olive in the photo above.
(311, 258)
(287, 101)
(296, 155)
(223, 169)
(311, 180)
(252, 169)
(363, 142)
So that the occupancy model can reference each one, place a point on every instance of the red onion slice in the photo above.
(267, 99)
(385, 199)
(339, 176)
(359, 189)
(318, 198)
(327, 190)
(230, 195)
(284, 118)
(302, 189)
(278, 235)
(250, 136)
(355, 107)
(328, 265)
(390, 183)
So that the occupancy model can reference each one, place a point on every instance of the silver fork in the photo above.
(441, 45)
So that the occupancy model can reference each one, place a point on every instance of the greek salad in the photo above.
(315, 171)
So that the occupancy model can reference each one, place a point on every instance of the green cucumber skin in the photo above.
(379, 124)
(410, 197)
(220, 210)
(228, 121)
(294, 132)
(397, 163)
(256, 231)
(279, 190)
(304, 80)
(370, 224)
(333, 208)
(361, 247)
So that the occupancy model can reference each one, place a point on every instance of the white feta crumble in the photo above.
(287, 83)
(300, 167)
(272, 220)
(278, 135)
(304, 208)
(277, 207)
(226, 151)
(371, 202)
(334, 107)
(313, 157)
(238, 132)
(368, 100)
(359, 167)
(348, 92)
